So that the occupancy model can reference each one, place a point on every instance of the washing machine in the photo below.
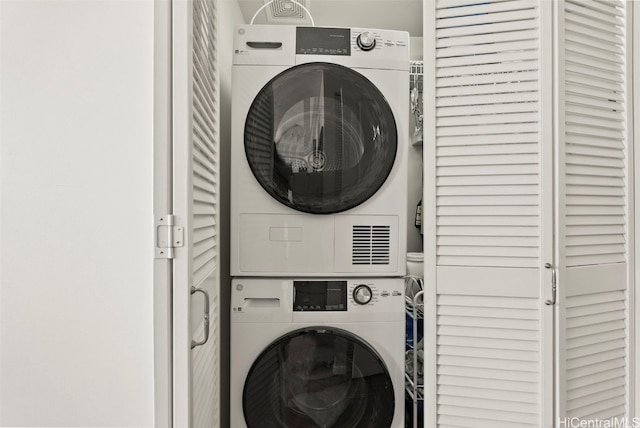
(309, 353)
(319, 150)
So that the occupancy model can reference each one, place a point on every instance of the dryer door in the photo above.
(320, 138)
(318, 377)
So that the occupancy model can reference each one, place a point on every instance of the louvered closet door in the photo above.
(593, 182)
(196, 201)
(491, 201)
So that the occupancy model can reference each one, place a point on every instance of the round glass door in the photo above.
(320, 138)
(318, 377)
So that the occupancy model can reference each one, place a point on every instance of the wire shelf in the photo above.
(416, 73)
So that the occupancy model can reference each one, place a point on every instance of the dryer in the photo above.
(319, 151)
(317, 353)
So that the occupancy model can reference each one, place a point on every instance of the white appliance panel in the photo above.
(262, 312)
(319, 244)
(276, 243)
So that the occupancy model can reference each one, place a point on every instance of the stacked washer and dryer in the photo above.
(318, 227)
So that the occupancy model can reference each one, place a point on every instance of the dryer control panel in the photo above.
(341, 41)
(288, 45)
(323, 41)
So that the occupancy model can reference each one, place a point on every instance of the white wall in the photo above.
(76, 216)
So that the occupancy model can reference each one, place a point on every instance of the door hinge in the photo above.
(168, 236)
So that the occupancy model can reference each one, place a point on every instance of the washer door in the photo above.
(320, 138)
(318, 377)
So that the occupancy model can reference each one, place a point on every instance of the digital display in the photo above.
(319, 296)
(323, 41)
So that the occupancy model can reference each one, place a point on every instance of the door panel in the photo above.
(490, 197)
(196, 281)
(498, 206)
(593, 332)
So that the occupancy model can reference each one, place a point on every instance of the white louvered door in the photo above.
(491, 187)
(593, 136)
(526, 181)
(196, 281)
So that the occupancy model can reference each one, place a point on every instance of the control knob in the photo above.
(366, 41)
(362, 294)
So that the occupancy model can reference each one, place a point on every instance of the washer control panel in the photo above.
(317, 300)
(319, 296)
(341, 296)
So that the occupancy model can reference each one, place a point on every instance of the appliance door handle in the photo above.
(206, 317)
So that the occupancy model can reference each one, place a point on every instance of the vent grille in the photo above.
(371, 245)
(287, 9)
